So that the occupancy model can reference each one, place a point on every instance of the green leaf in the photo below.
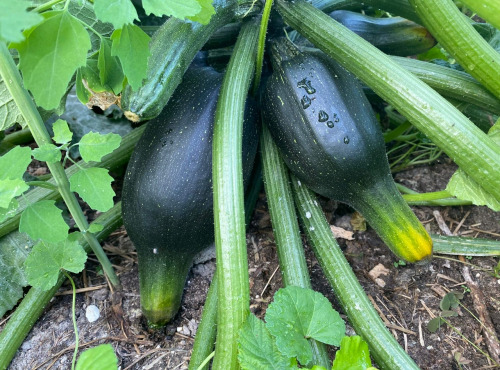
(9, 112)
(81, 91)
(14, 18)
(450, 300)
(85, 12)
(464, 187)
(352, 355)
(101, 357)
(14, 248)
(43, 220)
(62, 133)
(298, 314)
(93, 146)
(116, 12)
(177, 9)
(50, 55)
(13, 164)
(6, 213)
(257, 350)
(94, 186)
(66, 254)
(95, 228)
(90, 73)
(207, 10)
(131, 46)
(110, 69)
(9, 189)
(434, 324)
(48, 153)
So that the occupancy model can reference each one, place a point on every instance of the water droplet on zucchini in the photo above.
(346, 140)
(305, 101)
(330, 124)
(306, 84)
(322, 116)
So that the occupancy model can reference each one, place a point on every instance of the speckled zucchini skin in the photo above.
(167, 193)
(331, 140)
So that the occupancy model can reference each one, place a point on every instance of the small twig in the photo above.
(461, 223)
(420, 333)
(144, 356)
(480, 307)
(82, 290)
(269, 281)
(442, 225)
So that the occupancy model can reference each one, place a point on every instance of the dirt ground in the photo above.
(407, 297)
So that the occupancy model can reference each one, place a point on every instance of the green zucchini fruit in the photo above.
(167, 192)
(330, 139)
(394, 36)
(173, 47)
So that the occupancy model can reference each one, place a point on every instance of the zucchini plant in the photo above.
(184, 186)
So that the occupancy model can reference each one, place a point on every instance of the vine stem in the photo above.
(286, 231)
(73, 317)
(12, 78)
(262, 45)
(455, 33)
(46, 6)
(362, 316)
(229, 215)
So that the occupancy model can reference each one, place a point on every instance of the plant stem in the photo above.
(34, 303)
(428, 111)
(229, 215)
(451, 83)
(18, 137)
(455, 33)
(489, 10)
(207, 330)
(456, 245)
(42, 184)
(11, 76)
(46, 6)
(447, 202)
(73, 317)
(434, 195)
(286, 231)
(261, 47)
(363, 317)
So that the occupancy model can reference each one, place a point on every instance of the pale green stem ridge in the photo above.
(229, 215)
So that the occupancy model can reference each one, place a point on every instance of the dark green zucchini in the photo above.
(331, 140)
(394, 36)
(167, 192)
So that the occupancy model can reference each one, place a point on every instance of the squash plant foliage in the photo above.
(312, 103)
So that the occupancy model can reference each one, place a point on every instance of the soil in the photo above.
(407, 297)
